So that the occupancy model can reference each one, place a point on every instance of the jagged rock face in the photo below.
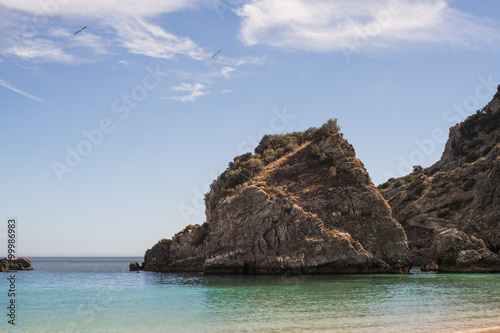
(257, 233)
(181, 254)
(467, 139)
(15, 264)
(456, 202)
(457, 252)
(298, 215)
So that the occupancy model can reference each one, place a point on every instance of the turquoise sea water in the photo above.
(101, 295)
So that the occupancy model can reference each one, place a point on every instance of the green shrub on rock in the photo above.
(318, 153)
(239, 172)
(201, 234)
(420, 188)
(327, 129)
(271, 147)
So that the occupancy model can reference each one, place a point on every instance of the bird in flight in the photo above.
(80, 30)
(216, 53)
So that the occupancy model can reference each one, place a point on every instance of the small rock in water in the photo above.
(134, 266)
(15, 264)
(429, 267)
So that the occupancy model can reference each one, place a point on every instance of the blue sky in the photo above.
(111, 136)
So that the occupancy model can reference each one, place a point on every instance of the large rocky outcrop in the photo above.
(312, 210)
(451, 210)
(15, 264)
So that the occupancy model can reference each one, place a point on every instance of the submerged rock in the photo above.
(15, 264)
(313, 209)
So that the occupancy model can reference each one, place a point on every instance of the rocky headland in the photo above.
(302, 203)
(451, 210)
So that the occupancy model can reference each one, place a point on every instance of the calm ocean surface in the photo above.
(101, 295)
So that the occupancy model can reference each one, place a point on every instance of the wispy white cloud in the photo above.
(59, 32)
(331, 26)
(242, 61)
(123, 64)
(225, 71)
(126, 63)
(226, 91)
(195, 91)
(7, 85)
(40, 49)
(112, 24)
(129, 21)
(141, 37)
(93, 42)
(218, 71)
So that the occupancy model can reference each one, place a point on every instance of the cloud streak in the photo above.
(9, 86)
(140, 37)
(333, 26)
(41, 50)
(195, 91)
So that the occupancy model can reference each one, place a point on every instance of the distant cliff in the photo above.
(303, 203)
(451, 210)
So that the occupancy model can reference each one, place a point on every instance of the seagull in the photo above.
(216, 53)
(80, 30)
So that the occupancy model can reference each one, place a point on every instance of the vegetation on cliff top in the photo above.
(270, 148)
(481, 121)
(405, 180)
(484, 122)
(442, 182)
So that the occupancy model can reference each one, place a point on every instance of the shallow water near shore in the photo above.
(101, 295)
